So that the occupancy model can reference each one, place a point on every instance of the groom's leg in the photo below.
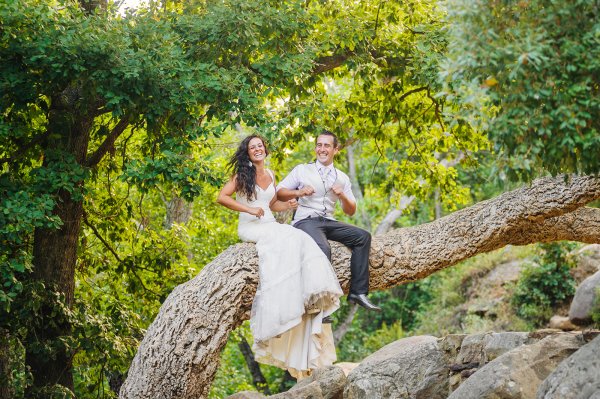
(315, 228)
(359, 241)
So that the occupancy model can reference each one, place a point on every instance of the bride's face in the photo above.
(256, 150)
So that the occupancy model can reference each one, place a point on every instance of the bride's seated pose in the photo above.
(297, 285)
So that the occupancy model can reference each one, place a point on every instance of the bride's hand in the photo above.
(258, 212)
(293, 204)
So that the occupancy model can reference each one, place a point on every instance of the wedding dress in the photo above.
(297, 288)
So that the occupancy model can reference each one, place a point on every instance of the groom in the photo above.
(318, 186)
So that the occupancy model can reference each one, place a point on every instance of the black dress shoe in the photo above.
(362, 300)
(327, 320)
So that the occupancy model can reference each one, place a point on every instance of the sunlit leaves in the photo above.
(528, 73)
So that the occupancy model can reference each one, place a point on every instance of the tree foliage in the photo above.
(110, 123)
(529, 73)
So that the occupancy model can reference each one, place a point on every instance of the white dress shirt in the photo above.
(322, 178)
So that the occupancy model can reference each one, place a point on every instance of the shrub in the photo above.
(544, 284)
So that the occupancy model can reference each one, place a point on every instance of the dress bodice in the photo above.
(262, 200)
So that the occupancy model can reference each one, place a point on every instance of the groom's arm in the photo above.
(346, 197)
(289, 188)
(348, 206)
(286, 194)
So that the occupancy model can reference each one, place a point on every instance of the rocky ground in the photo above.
(562, 362)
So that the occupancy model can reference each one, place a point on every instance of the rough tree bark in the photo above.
(55, 250)
(6, 379)
(179, 355)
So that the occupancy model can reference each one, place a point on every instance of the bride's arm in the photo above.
(225, 198)
(280, 206)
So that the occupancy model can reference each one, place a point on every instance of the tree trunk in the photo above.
(178, 211)
(388, 221)
(258, 379)
(55, 250)
(340, 332)
(179, 355)
(356, 187)
(6, 380)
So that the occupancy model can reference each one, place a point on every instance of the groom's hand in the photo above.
(306, 191)
(337, 189)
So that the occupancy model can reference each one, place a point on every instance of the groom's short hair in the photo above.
(329, 133)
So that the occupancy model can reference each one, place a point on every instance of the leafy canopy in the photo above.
(528, 72)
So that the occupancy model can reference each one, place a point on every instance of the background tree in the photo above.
(78, 83)
(105, 118)
(528, 72)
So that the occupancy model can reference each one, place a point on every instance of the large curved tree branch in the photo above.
(413, 253)
(179, 355)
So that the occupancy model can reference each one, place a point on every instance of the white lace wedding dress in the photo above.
(297, 288)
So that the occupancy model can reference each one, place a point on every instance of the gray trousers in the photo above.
(358, 240)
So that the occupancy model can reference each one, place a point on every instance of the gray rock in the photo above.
(577, 377)
(504, 273)
(247, 395)
(499, 343)
(580, 312)
(561, 323)
(309, 391)
(331, 381)
(519, 372)
(588, 262)
(481, 348)
(408, 368)
(451, 345)
(471, 350)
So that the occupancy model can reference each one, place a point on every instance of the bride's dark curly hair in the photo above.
(240, 165)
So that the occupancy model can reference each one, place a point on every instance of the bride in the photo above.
(297, 285)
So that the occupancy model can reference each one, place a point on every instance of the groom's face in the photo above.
(325, 149)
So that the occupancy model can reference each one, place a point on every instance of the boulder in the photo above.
(519, 372)
(331, 381)
(412, 367)
(346, 367)
(580, 312)
(478, 349)
(577, 377)
(308, 391)
(481, 348)
(588, 262)
(562, 323)
(500, 343)
(247, 395)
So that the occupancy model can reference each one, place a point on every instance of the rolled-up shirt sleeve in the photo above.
(292, 180)
(348, 190)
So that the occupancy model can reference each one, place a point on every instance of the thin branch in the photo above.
(413, 91)
(109, 142)
(258, 379)
(329, 62)
(377, 20)
(99, 236)
(107, 245)
(437, 109)
(342, 329)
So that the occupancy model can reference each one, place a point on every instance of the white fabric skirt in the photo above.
(297, 288)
